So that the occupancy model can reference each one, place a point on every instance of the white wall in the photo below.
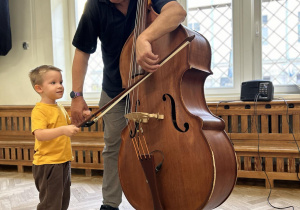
(31, 22)
(48, 27)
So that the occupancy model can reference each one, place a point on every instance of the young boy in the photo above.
(50, 123)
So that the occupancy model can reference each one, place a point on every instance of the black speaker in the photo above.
(260, 90)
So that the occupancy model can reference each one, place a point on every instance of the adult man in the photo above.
(113, 21)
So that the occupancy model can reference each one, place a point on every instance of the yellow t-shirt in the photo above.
(57, 150)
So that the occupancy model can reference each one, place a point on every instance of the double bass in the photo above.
(174, 153)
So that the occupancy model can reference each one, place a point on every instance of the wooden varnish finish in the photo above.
(197, 160)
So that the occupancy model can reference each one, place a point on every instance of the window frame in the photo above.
(280, 91)
(247, 52)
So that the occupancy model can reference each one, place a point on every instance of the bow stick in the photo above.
(114, 101)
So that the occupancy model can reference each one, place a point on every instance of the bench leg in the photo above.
(88, 172)
(267, 183)
(20, 169)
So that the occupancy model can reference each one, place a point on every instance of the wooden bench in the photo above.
(263, 139)
(17, 142)
(278, 153)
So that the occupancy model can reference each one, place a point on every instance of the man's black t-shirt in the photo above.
(101, 19)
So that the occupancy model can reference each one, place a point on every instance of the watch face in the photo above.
(72, 94)
(75, 94)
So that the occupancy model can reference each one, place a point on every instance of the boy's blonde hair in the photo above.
(36, 75)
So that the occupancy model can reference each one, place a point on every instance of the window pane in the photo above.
(94, 75)
(213, 19)
(280, 41)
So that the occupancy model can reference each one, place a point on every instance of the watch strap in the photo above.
(74, 94)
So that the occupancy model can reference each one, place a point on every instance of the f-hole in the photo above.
(186, 125)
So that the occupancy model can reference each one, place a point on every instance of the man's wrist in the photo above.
(74, 94)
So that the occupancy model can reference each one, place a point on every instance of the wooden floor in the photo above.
(17, 192)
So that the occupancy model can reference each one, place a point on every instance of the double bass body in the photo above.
(199, 167)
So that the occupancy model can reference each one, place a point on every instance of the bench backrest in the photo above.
(15, 122)
(273, 123)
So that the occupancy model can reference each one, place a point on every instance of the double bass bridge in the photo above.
(143, 117)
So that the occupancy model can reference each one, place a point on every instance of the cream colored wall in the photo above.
(30, 22)
(33, 21)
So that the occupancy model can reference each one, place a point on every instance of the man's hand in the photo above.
(79, 110)
(171, 15)
(144, 55)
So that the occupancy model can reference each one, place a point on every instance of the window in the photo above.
(250, 40)
(257, 39)
(94, 75)
(194, 26)
(281, 56)
(216, 25)
(264, 34)
(298, 26)
(264, 30)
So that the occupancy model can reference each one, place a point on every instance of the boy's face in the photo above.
(52, 87)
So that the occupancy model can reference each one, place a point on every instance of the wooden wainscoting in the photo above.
(17, 142)
(262, 135)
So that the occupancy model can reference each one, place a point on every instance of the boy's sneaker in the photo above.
(107, 207)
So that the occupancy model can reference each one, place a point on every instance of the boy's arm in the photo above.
(49, 134)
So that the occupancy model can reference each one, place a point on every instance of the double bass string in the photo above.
(127, 106)
(138, 146)
(133, 64)
(135, 147)
(139, 27)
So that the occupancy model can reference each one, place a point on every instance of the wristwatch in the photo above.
(75, 94)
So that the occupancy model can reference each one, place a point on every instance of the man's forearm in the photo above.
(79, 69)
(172, 14)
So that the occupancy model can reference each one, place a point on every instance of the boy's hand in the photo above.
(70, 130)
(49, 134)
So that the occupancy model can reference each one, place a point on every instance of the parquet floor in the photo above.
(17, 192)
